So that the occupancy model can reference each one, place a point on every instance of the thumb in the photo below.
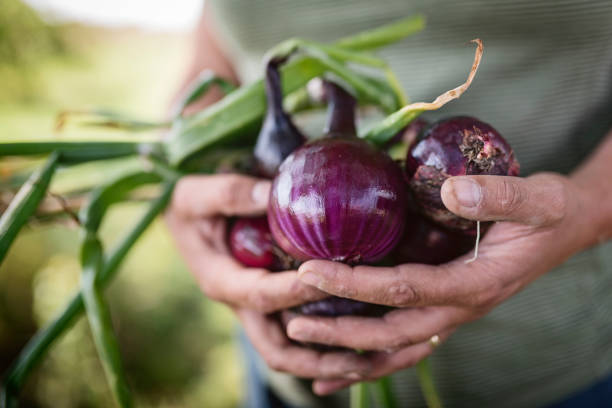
(222, 194)
(537, 200)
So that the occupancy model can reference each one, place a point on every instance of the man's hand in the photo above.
(197, 220)
(542, 225)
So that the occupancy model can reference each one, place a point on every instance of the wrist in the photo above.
(591, 217)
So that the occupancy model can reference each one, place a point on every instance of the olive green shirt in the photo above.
(546, 84)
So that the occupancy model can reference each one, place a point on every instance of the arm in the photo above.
(593, 179)
(207, 54)
(545, 219)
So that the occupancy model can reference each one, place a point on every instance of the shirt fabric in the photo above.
(545, 83)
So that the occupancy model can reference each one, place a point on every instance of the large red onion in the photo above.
(455, 147)
(338, 199)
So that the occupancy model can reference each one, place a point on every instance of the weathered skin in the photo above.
(338, 199)
(455, 147)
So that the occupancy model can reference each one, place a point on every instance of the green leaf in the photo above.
(359, 395)
(385, 35)
(77, 151)
(383, 393)
(334, 59)
(427, 385)
(111, 193)
(37, 347)
(238, 115)
(91, 260)
(392, 124)
(100, 319)
(25, 203)
(199, 87)
(107, 119)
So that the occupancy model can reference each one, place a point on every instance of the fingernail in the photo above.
(353, 376)
(261, 192)
(310, 278)
(467, 191)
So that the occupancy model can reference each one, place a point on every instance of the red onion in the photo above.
(336, 306)
(278, 136)
(428, 243)
(250, 240)
(337, 199)
(454, 147)
(251, 243)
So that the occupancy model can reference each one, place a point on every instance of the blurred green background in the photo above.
(176, 345)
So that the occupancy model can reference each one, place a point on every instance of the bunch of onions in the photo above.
(340, 198)
(363, 216)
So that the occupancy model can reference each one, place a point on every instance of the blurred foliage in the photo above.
(25, 41)
(176, 345)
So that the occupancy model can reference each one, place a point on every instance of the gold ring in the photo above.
(434, 340)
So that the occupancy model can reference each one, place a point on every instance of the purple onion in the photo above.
(251, 243)
(338, 199)
(428, 243)
(455, 147)
(278, 136)
(336, 306)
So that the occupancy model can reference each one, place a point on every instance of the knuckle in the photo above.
(509, 195)
(401, 294)
(398, 340)
(229, 195)
(556, 194)
(259, 301)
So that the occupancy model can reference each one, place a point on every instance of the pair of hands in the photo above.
(541, 228)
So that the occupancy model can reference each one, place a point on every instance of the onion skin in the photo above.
(278, 136)
(251, 243)
(336, 306)
(456, 146)
(338, 199)
(340, 112)
(331, 307)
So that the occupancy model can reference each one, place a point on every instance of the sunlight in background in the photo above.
(179, 15)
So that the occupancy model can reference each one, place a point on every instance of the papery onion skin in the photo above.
(456, 146)
(338, 199)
